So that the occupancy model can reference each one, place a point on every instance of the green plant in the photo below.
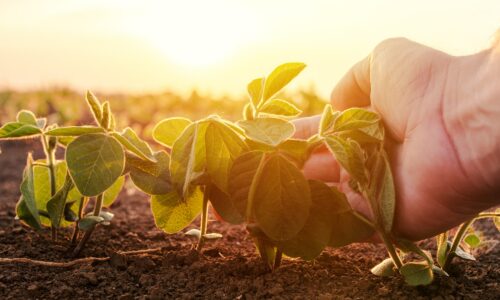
(55, 192)
(249, 171)
(447, 250)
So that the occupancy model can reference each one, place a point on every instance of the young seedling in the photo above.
(447, 250)
(250, 172)
(56, 192)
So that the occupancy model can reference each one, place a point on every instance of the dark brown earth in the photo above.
(229, 268)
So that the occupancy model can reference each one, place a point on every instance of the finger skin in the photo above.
(306, 127)
(353, 90)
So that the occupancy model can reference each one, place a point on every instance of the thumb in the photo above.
(306, 127)
(354, 88)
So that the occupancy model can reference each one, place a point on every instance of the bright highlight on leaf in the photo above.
(172, 213)
(280, 108)
(248, 172)
(280, 77)
(270, 131)
(168, 130)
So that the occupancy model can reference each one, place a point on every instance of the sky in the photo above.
(218, 46)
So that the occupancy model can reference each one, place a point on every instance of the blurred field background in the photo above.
(154, 59)
(141, 111)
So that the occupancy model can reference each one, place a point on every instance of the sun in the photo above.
(198, 33)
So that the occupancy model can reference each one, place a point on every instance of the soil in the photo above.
(228, 268)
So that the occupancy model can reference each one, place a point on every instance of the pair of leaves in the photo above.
(208, 146)
(101, 112)
(262, 89)
(26, 125)
(358, 124)
(36, 195)
(349, 119)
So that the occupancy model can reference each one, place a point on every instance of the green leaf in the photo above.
(355, 118)
(224, 206)
(56, 205)
(327, 118)
(95, 161)
(151, 177)
(240, 179)
(472, 240)
(112, 192)
(64, 141)
(95, 106)
(442, 248)
(74, 130)
(279, 78)
(280, 108)
(106, 115)
(248, 112)
(409, 246)
(370, 134)
(384, 269)
(172, 213)
(23, 213)
(315, 235)
(417, 273)
(188, 157)
(298, 150)
(254, 89)
(26, 117)
(168, 130)
(89, 222)
(222, 147)
(27, 209)
(18, 130)
(349, 154)
(280, 199)
(42, 183)
(381, 190)
(129, 139)
(347, 225)
(270, 131)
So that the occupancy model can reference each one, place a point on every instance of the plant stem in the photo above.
(204, 220)
(277, 259)
(487, 215)
(391, 249)
(83, 200)
(50, 156)
(456, 242)
(88, 233)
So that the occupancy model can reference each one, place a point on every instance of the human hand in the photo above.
(444, 148)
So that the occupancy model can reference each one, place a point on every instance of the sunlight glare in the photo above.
(198, 33)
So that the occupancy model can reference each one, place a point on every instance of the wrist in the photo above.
(471, 112)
